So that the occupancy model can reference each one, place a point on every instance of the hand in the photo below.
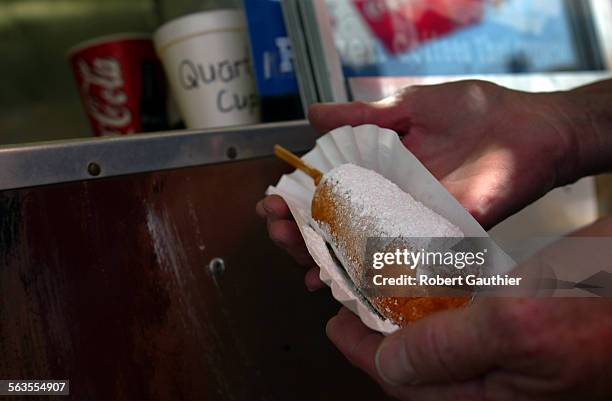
(496, 150)
(284, 232)
(494, 349)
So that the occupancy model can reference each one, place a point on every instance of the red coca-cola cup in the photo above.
(121, 83)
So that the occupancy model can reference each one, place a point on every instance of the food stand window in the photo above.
(357, 39)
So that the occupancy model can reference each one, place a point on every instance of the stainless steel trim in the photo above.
(73, 160)
(602, 15)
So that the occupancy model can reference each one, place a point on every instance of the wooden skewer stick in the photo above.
(298, 163)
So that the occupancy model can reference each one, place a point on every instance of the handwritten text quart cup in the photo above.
(207, 61)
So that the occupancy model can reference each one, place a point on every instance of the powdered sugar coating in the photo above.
(389, 210)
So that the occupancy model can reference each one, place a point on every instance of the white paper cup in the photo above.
(208, 64)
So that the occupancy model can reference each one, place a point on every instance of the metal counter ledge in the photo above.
(73, 160)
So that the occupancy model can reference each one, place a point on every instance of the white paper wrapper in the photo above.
(380, 150)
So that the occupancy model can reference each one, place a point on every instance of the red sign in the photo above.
(121, 83)
(402, 25)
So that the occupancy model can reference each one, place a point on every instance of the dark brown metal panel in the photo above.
(106, 283)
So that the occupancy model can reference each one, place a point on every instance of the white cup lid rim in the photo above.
(197, 22)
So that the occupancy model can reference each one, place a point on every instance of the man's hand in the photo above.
(284, 232)
(496, 150)
(495, 349)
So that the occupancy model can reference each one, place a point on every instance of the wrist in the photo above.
(584, 121)
(558, 138)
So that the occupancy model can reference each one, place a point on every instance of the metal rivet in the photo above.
(231, 153)
(216, 266)
(94, 169)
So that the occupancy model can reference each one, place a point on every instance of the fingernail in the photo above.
(267, 206)
(392, 362)
(279, 243)
(329, 327)
(316, 110)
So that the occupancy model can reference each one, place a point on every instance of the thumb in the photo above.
(387, 113)
(452, 345)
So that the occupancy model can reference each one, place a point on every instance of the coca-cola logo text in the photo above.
(102, 88)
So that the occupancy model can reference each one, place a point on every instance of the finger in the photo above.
(486, 208)
(312, 280)
(357, 342)
(286, 234)
(452, 345)
(274, 207)
(387, 114)
(473, 390)
(259, 209)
